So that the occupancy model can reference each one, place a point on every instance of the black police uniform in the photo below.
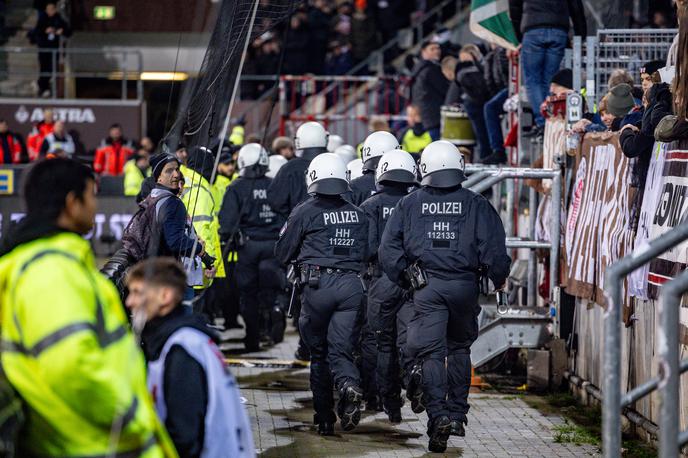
(329, 236)
(286, 191)
(385, 301)
(245, 208)
(451, 233)
(288, 188)
(363, 187)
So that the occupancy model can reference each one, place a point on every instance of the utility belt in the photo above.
(310, 274)
(416, 276)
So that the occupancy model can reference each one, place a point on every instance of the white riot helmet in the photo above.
(252, 160)
(397, 166)
(442, 165)
(346, 152)
(355, 169)
(333, 142)
(276, 163)
(310, 135)
(327, 175)
(375, 145)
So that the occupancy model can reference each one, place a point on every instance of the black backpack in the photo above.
(141, 234)
(140, 240)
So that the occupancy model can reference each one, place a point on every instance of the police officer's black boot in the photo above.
(414, 389)
(438, 432)
(457, 428)
(394, 415)
(325, 424)
(278, 322)
(349, 406)
(302, 353)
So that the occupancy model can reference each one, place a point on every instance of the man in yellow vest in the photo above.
(416, 137)
(66, 347)
(199, 198)
(135, 171)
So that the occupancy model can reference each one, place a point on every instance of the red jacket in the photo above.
(36, 137)
(15, 151)
(111, 156)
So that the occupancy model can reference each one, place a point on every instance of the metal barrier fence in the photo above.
(344, 104)
(670, 368)
(481, 178)
(628, 49)
(113, 65)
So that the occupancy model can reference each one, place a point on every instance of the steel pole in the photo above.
(667, 343)
(611, 404)
(532, 260)
(555, 237)
(509, 223)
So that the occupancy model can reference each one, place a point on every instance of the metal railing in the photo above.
(669, 366)
(70, 64)
(481, 178)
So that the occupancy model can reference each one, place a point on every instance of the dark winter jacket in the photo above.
(395, 15)
(537, 14)
(469, 75)
(364, 37)
(298, 58)
(185, 386)
(639, 144)
(428, 91)
(496, 71)
(46, 40)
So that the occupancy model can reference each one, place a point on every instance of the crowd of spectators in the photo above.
(329, 37)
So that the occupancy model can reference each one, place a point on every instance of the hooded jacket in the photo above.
(185, 383)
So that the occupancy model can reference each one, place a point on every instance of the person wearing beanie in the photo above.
(171, 216)
(647, 71)
(620, 101)
(562, 81)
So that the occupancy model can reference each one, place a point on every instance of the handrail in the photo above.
(485, 177)
(65, 53)
(611, 405)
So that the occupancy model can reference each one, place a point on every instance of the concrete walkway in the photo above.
(280, 406)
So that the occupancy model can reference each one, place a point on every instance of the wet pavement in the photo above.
(280, 406)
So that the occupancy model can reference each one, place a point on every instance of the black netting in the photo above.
(201, 120)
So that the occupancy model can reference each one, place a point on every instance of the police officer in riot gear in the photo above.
(441, 236)
(327, 238)
(374, 146)
(288, 188)
(362, 188)
(247, 218)
(388, 309)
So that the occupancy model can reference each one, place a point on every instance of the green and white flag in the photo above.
(490, 21)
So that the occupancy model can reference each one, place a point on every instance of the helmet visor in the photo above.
(444, 178)
(329, 186)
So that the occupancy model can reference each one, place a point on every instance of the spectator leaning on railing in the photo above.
(49, 29)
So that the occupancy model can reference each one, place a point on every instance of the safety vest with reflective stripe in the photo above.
(200, 204)
(67, 350)
(412, 143)
(133, 178)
